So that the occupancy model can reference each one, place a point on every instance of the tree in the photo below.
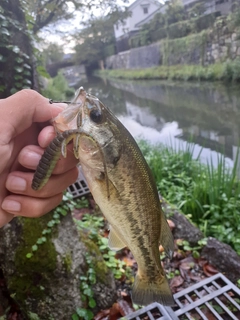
(97, 40)
(175, 12)
(45, 12)
(198, 9)
(52, 53)
(16, 52)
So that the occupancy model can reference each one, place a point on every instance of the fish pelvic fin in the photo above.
(166, 237)
(144, 293)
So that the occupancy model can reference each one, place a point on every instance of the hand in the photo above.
(24, 136)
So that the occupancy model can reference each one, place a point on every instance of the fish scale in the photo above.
(122, 185)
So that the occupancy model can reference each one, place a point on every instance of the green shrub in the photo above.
(210, 194)
(176, 30)
(227, 71)
(58, 89)
(231, 70)
(109, 50)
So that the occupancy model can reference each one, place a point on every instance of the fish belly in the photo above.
(130, 204)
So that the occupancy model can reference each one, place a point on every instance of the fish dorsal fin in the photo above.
(114, 241)
(166, 237)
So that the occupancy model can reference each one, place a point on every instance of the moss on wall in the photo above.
(191, 49)
(97, 260)
(32, 274)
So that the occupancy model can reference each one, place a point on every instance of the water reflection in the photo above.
(173, 113)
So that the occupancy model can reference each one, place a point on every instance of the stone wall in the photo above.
(209, 46)
(142, 57)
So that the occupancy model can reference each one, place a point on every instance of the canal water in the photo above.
(208, 114)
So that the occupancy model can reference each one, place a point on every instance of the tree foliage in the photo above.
(41, 13)
(52, 53)
(20, 21)
(96, 40)
(16, 63)
(174, 12)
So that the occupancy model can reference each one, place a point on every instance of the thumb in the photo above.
(19, 111)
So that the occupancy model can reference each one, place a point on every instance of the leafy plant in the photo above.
(194, 249)
(58, 89)
(14, 55)
(67, 205)
(86, 292)
(210, 194)
(93, 225)
(227, 71)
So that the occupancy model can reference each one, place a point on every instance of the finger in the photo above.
(27, 106)
(30, 207)
(19, 182)
(30, 156)
(46, 136)
(5, 217)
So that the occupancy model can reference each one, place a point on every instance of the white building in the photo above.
(141, 10)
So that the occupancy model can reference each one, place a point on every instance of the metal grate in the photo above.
(80, 187)
(213, 298)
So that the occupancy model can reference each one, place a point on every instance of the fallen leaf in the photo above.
(176, 281)
(179, 242)
(114, 311)
(179, 254)
(202, 262)
(196, 278)
(184, 273)
(123, 294)
(14, 316)
(124, 307)
(187, 265)
(171, 224)
(161, 249)
(209, 270)
(129, 262)
(102, 314)
(188, 259)
(208, 313)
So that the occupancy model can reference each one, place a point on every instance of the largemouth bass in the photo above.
(123, 187)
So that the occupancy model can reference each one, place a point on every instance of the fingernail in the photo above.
(11, 206)
(31, 159)
(16, 184)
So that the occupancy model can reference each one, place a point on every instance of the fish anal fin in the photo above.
(166, 237)
(114, 241)
(145, 292)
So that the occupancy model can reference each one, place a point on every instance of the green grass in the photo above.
(209, 194)
(226, 71)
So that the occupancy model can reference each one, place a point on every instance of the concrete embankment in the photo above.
(217, 45)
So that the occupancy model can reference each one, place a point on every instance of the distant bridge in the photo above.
(53, 68)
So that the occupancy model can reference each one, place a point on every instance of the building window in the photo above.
(145, 8)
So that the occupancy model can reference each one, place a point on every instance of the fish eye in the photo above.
(96, 115)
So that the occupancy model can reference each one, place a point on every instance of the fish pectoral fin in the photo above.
(166, 237)
(114, 241)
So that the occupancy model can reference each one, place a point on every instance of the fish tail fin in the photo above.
(144, 293)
